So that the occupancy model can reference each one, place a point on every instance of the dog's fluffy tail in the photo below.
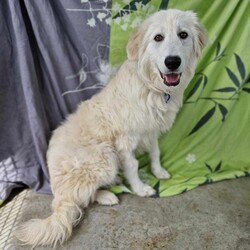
(72, 190)
(55, 229)
(58, 227)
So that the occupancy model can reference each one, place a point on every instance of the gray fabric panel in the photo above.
(46, 51)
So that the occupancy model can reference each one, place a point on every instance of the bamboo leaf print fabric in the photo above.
(210, 139)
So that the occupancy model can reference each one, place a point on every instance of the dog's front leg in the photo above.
(154, 153)
(130, 167)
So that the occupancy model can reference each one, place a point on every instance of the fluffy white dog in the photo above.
(137, 105)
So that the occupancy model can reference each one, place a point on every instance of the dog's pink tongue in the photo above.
(171, 78)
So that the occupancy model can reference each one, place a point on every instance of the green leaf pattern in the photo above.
(236, 89)
(189, 152)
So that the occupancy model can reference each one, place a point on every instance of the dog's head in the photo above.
(167, 46)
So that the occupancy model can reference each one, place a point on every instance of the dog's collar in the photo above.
(166, 98)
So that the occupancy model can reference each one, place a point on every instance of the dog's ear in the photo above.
(133, 45)
(201, 39)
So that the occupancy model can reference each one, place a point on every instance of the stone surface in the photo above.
(215, 216)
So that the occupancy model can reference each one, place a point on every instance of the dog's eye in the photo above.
(183, 35)
(158, 38)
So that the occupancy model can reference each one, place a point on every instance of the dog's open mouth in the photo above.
(171, 79)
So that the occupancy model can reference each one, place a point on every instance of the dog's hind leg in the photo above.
(105, 197)
(74, 183)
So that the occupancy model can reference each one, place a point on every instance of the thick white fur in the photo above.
(86, 151)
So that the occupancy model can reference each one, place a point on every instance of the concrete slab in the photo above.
(215, 216)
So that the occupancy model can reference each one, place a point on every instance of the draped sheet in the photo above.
(50, 56)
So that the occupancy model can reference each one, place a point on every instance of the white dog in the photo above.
(138, 104)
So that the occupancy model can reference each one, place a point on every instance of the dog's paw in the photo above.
(144, 190)
(161, 173)
(106, 198)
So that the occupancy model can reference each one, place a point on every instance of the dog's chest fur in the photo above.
(124, 108)
(136, 109)
(142, 118)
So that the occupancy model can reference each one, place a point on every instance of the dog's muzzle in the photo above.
(172, 78)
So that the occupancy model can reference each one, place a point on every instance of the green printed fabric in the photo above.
(210, 140)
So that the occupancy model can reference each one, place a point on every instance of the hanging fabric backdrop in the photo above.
(50, 54)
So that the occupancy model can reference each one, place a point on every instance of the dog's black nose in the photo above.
(173, 62)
